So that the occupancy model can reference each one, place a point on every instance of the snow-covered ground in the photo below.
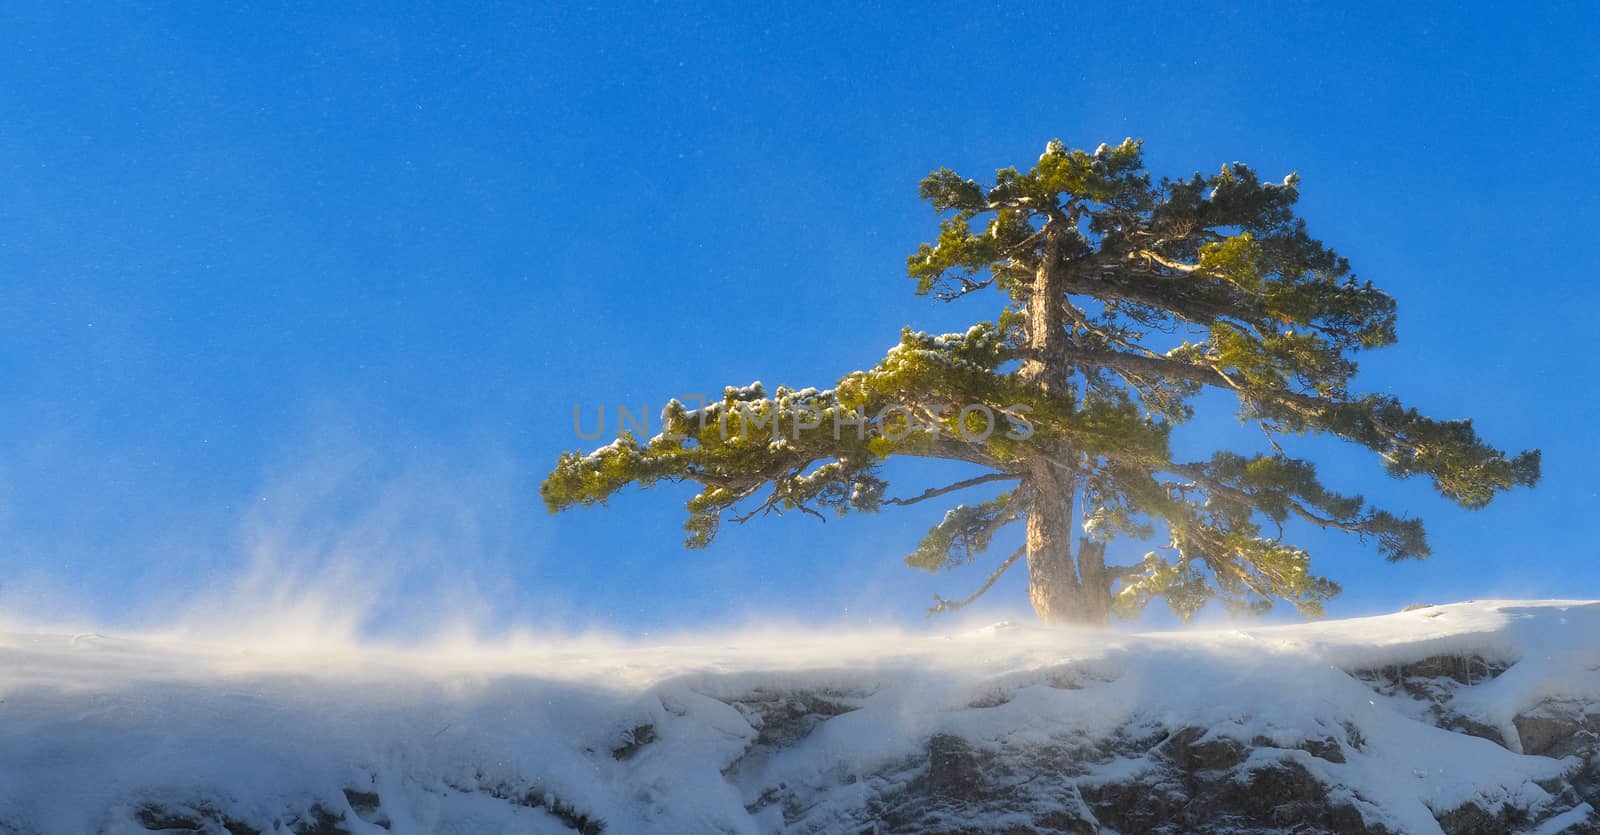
(1399, 722)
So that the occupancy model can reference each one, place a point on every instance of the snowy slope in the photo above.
(1415, 722)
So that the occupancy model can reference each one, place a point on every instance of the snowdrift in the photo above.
(1474, 717)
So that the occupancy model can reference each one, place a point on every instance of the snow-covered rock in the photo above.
(1470, 718)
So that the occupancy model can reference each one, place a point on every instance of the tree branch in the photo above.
(951, 488)
(1123, 572)
(1192, 472)
(1155, 257)
(967, 286)
(1114, 280)
(1271, 439)
(1206, 375)
(942, 605)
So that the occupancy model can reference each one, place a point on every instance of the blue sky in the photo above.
(315, 285)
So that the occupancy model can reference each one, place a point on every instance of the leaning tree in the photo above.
(1121, 300)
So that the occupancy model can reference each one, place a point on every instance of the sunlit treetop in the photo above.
(1115, 301)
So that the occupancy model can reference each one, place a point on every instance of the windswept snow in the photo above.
(787, 732)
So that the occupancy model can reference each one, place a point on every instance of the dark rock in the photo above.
(233, 827)
(1283, 791)
(535, 798)
(1136, 740)
(1078, 676)
(1352, 735)
(1076, 824)
(1452, 721)
(1427, 678)
(962, 788)
(322, 822)
(1585, 783)
(781, 719)
(161, 818)
(953, 772)
(1472, 819)
(1346, 819)
(1202, 782)
(635, 739)
(1326, 748)
(368, 807)
(568, 814)
(1192, 751)
(993, 698)
(1146, 805)
(1435, 679)
(198, 818)
(1558, 729)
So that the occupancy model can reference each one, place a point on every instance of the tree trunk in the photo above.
(1063, 591)
(1058, 593)
(1053, 585)
(1096, 581)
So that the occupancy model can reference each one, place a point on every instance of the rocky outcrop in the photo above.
(1145, 778)
(1488, 724)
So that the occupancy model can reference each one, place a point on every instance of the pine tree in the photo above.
(1121, 299)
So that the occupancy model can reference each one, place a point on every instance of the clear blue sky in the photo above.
(325, 284)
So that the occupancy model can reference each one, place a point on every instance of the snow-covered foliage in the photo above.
(1434, 720)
